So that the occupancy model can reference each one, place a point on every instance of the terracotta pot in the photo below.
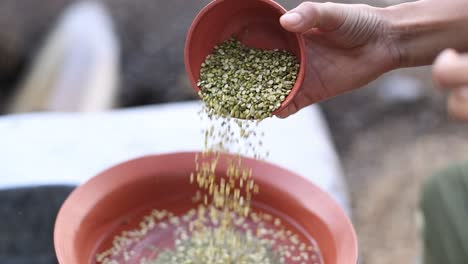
(253, 22)
(116, 199)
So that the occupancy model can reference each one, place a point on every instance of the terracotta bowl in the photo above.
(253, 22)
(116, 199)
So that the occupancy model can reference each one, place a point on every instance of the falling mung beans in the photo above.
(240, 86)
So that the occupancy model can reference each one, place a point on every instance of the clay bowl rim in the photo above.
(299, 38)
(69, 205)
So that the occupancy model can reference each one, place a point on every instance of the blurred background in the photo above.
(390, 135)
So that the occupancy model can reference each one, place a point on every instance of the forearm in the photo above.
(422, 29)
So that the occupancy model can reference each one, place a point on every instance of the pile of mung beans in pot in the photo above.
(246, 83)
(238, 85)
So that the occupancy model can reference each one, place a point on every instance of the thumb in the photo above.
(309, 15)
(458, 104)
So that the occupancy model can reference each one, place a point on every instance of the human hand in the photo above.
(451, 73)
(347, 48)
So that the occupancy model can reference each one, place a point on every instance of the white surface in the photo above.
(69, 148)
(398, 88)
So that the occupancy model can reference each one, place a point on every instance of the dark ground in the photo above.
(388, 146)
(27, 224)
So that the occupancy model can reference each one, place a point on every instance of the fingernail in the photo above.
(281, 115)
(293, 19)
(449, 52)
(446, 56)
(463, 93)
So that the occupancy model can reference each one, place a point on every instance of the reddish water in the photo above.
(163, 235)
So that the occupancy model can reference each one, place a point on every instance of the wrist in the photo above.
(420, 30)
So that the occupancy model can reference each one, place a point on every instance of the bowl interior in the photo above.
(253, 22)
(117, 199)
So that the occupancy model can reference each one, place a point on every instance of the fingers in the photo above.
(458, 104)
(289, 110)
(309, 15)
(300, 101)
(451, 70)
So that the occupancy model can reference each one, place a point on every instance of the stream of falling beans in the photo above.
(222, 228)
(227, 196)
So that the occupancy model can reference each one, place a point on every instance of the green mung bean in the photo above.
(246, 83)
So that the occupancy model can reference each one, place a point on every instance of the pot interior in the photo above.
(120, 197)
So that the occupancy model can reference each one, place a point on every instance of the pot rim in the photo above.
(298, 38)
(302, 187)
